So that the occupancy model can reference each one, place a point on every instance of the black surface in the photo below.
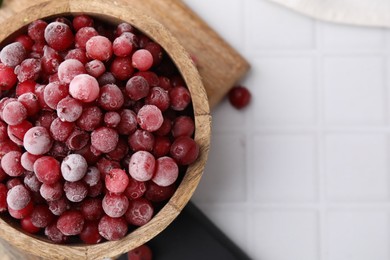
(192, 236)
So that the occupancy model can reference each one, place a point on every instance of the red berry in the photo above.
(60, 130)
(142, 166)
(184, 150)
(31, 181)
(141, 140)
(36, 30)
(99, 48)
(41, 216)
(90, 233)
(29, 69)
(18, 197)
(77, 140)
(180, 98)
(30, 102)
(74, 167)
(11, 164)
(92, 209)
(16, 132)
(59, 36)
(183, 126)
(121, 150)
(59, 206)
(37, 140)
(25, 87)
(135, 189)
(111, 97)
(112, 119)
(239, 97)
(122, 28)
(26, 41)
(47, 170)
(71, 223)
(69, 69)
(69, 109)
(54, 92)
(116, 181)
(112, 228)
(75, 191)
(142, 60)
(139, 212)
(115, 205)
(156, 193)
(128, 122)
(104, 139)
(50, 61)
(3, 197)
(90, 119)
(166, 171)
(150, 118)
(54, 234)
(51, 192)
(27, 160)
(158, 97)
(12, 54)
(122, 46)
(140, 253)
(81, 21)
(137, 87)
(28, 226)
(14, 113)
(20, 214)
(122, 68)
(83, 35)
(162, 146)
(95, 68)
(84, 88)
(8, 78)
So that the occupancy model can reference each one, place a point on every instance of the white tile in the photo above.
(225, 117)
(270, 26)
(358, 235)
(229, 16)
(225, 168)
(337, 36)
(285, 168)
(283, 91)
(285, 235)
(354, 90)
(231, 220)
(356, 167)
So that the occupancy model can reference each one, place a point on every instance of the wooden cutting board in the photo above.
(219, 65)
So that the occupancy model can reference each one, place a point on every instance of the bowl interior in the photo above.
(115, 13)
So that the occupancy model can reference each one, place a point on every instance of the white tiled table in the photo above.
(303, 173)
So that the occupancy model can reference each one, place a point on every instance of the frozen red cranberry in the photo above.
(14, 113)
(92, 209)
(31, 181)
(105, 166)
(59, 206)
(69, 109)
(239, 97)
(12, 54)
(184, 150)
(90, 233)
(47, 170)
(89, 156)
(150, 118)
(18, 197)
(104, 139)
(11, 163)
(74, 167)
(75, 191)
(37, 50)
(122, 68)
(81, 21)
(60, 130)
(36, 30)
(122, 46)
(41, 216)
(71, 223)
(99, 48)
(37, 140)
(90, 119)
(112, 119)
(137, 87)
(29, 69)
(8, 78)
(84, 88)
(46, 118)
(166, 171)
(28, 226)
(139, 212)
(156, 193)
(183, 126)
(77, 54)
(3, 197)
(54, 234)
(95, 68)
(69, 69)
(143, 40)
(54, 93)
(140, 253)
(96, 190)
(20, 214)
(142, 60)
(16, 132)
(156, 51)
(158, 97)
(111, 97)
(141, 140)
(180, 98)
(92, 176)
(112, 228)
(59, 36)
(50, 61)
(142, 166)
(123, 27)
(106, 78)
(120, 151)
(116, 181)
(115, 205)
(165, 128)
(51, 192)
(128, 122)
(26, 41)
(8, 146)
(83, 35)
(27, 160)
(30, 102)
(135, 189)
(77, 140)
(165, 83)
(25, 87)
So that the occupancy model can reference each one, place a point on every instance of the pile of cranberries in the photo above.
(96, 129)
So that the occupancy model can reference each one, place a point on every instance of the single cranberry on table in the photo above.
(239, 97)
(140, 253)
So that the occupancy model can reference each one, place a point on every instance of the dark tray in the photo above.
(192, 236)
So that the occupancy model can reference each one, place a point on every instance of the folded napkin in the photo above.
(358, 12)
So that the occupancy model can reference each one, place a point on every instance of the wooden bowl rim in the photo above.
(121, 11)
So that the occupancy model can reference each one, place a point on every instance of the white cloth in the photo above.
(358, 12)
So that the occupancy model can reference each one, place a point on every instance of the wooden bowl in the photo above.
(115, 12)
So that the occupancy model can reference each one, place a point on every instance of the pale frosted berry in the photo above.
(150, 118)
(30, 102)
(116, 181)
(54, 234)
(122, 28)
(104, 139)
(83, 35)
(29, 69)
(112, 228)
(112, 119)
(84, 88)
(75, 191)
(18, 197)
(61, 130)
(115, 205)
(74, 167)
(69, 109)
(92, 176)
(47, 170)
(36, 30)
(69, 69)
(71, 223)
(142, 59)
(37, 140)
(54, 92)
(51, 192)
(12, 54)
(27, 160)
(59, 36)
(111, 97)
(166, 171)
(14, 113)
(59, 206)
(139, 212)
(99, 48)
(95, 68)
(31, 181)
(90, 119)
(11, 164)
(142, 166)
